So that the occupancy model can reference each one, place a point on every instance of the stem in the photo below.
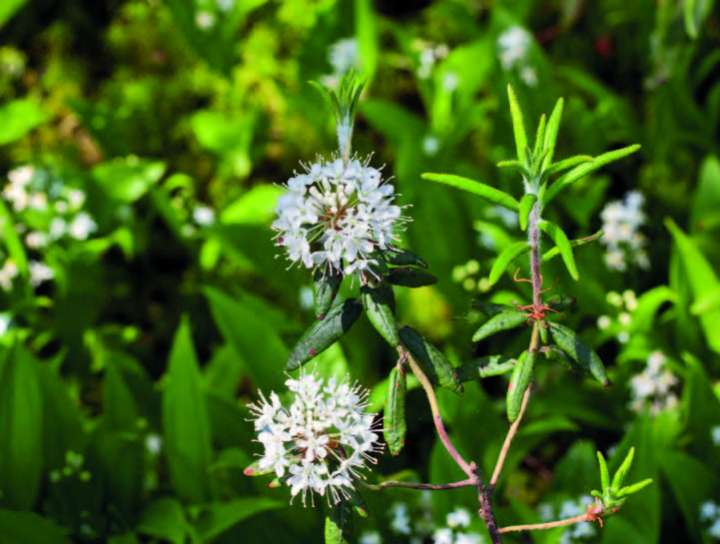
(434, 408)
(512, 431)
(415, 485)
(549, 525)
(486, 511)
(534, 242)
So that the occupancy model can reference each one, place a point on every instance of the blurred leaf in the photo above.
(165, 519)
(127, 179)
(216, 518)
(551, 133)
(30, 528)
(18, 117)
(14, 245)
(366, 33)
(486, 192)
(254, 207)
(119, 408)
(186, 425)
(21, 428)
(521, 141)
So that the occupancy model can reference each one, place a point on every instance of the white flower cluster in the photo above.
(456, 521)
(322, 442)
(653, 387)
(621, 232)
(429, 55)
(619, 325)
(513, 49)
(710, 516)
(338, 217)
(343, 55)
(579, 532)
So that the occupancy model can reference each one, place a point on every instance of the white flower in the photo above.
(714, 530)
(513, 46)
(529, 76)
(58, 228)
(153, 443)
(344, 55)
(653, 387)
(225, 5)
(76, 198)
(468, 538)
(715, 434)
(604, 322)
(82, 226)
(338, 217)
(443, 536)
(39, 273)
(459, 517)
(8, 272)
(429, 55)
(621, 235)
(450, 81)
(36, 239)
(37, 201)
(322, 442)
(370, 537)
(430, 145)
(21, 176)
(204, 20)
(709, 510)
(400, 519)
(204, 215)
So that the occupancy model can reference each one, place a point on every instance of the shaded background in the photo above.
(176, 120)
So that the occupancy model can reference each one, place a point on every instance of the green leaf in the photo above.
(634, 488)
(338, 524)
(216, 518)
(129, 178)
(583, 170)
(622, 471)
(507, 255)
(410, 277)
(486, 192)
(324, 333)
(185, 420)
(539, 138)
(404, 257)
(256, 206)
(18, 117)
(486, 367)
(164, 519)
(519, 382)
(394, 419)
(555, 251)
(505, 320)
(564, 164)
(14, 245)
(30, 528)
(526, 204)
(578, 351)
(433, 362)
(551, 133)
(379, 303)
(521, 141)
(563, 245)
(325, 289)
(21, 429)
(119, 409)
(604, 474)
(366, 33)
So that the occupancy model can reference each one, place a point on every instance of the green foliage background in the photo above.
(159, 328)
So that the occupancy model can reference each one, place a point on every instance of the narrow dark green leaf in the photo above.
(379, 303)
(563, 245)
(325, 289)
(570, 343)
(338, 524)
(404, 257)
(519, 382)
(410, 277)
(394, 419)
(185, 420)
(518, 124)
(491, 194)
(218, 517)
(165, 519)
(14, 245)
(583, 170)
(555, 251)
(506, 320)
(551, 133)
(324, 333)
(507, 255)
(526, 204)
(434, 363)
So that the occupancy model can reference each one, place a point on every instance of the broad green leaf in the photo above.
(521, 142)
(186, 425)
(164, 519)
(563, 245)
(324, 333)
(30, 528)
(584, 169)
(507, 255)
(551, 133)
(526, 204)
(701, 278)
(568, 341)
(431, 359)
(491, 194)
(394, 426)
(18, 117)
(505, 320)
(216, 518)
(128, 179)
(379, 304)
(519, 382)
(21, 429)
(119, 409)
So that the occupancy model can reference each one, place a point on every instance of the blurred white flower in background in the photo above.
(370, 537)
(710, 517)
(430, 145)
(204, 216)
(513, 50)
(343, 55)
(460, 517)
(653, 387)
(715, 434)
(39, 273)
(36, 240)
(400, 519)
(429, 55)
(322, 442)
(579, 532)
(81, 226)
(5, 321)
(624, 242)
(619, 325)
(8, 272)
(450, 81)
(204, 20)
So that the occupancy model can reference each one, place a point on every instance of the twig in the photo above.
(434, 408)
(549, 525)
(416, 485)
(486, 511)
(512, 431)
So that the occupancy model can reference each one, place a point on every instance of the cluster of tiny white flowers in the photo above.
(513, 48)
(619, 325)
(343, 56)
(457, 521)
(322, 442)
(710, 517)
(621, 232)
(338, 216)
(653, 387)
(428, 56)
(579, 532)
(455, 530)
(206, 18)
